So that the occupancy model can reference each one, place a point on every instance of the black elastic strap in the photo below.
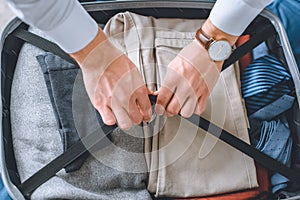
(93, 139)
(242, 146)
(262, 35)
(42, 43)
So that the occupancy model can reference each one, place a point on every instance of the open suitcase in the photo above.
(266, 27)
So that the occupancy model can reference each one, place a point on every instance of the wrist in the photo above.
(81, 55)
(211, 30)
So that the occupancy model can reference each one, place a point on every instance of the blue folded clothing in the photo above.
(264, 81)
(3, 193)
(266, 85)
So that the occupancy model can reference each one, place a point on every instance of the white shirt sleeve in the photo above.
(233, 16)
(70, 26)
(64, 21)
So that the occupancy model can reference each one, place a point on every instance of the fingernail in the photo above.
(125, 127)
(159, 109)
(110, 122)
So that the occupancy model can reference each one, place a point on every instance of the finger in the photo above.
(150, 92)
(201, 105)
(188, 107)
(134, 112)
(163, 99)
(198, 110)
(145, 107)
(123, 119)
(173, 107)
(107, 116)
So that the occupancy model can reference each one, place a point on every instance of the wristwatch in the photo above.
(218, 50)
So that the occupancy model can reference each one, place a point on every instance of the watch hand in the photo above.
(220, 49)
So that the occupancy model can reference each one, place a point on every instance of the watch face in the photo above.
(219, 50)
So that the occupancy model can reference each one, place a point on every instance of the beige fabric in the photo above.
(183, 160)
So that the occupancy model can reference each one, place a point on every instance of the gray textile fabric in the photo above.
(37, 141)
(60, 77)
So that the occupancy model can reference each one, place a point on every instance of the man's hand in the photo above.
(113, 83)
(188, 83)
(190, 78)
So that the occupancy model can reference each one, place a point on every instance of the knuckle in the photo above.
(100, 102)
(201, 109)
(147, 117)
(172, 110)
(142, 90)
(161, 99)
(123, 100)
(147, 107)
(136, 118)
(138, 121)
(98, 105)
(186, 114)
(109, 122)
(139, 92)
(125, 126)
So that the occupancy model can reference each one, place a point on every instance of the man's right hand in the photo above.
(113, 83)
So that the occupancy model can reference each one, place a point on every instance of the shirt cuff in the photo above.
(233, 16)
(77, 31)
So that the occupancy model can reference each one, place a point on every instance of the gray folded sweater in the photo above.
(117, 171)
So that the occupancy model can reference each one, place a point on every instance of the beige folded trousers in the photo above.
(183, 160)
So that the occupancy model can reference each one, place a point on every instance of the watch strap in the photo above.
(203, 38)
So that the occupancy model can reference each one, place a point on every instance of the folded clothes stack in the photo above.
(288, 12)
(265, 87)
